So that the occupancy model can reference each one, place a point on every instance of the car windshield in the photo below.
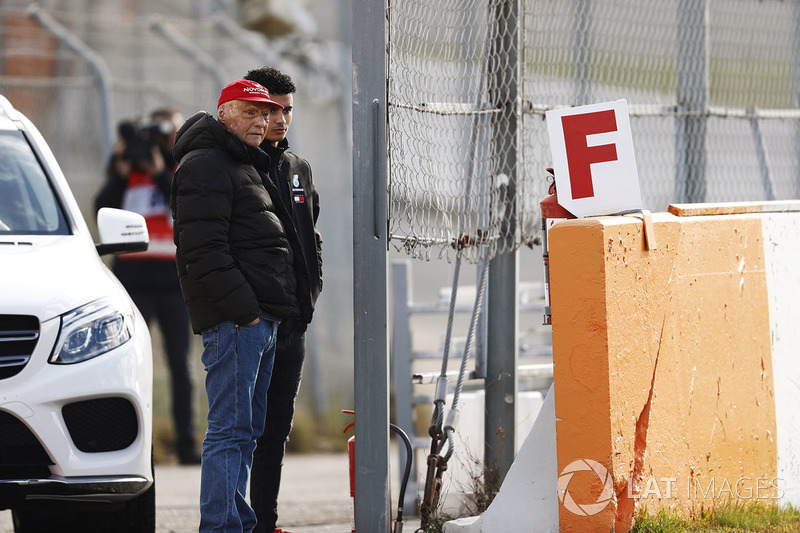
(28, 204)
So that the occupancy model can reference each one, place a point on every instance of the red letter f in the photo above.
(579, 155)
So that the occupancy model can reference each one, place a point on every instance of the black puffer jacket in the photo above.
(292, 174)
(235, 258)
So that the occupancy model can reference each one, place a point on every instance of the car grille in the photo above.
(18, 336)
(102, 424)
(21, 454)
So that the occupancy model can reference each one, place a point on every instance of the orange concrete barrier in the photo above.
(676, 352)
(665, 363)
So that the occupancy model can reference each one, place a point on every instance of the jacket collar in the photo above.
(275, 151)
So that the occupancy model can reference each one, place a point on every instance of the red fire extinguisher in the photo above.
(397, 526)
(351, 456)
(552, 212)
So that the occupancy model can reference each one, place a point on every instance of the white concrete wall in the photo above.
(467, 460)
(782, 254)
(528, 499)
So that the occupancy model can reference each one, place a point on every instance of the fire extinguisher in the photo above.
(397, 527)
(552, 212)
(351, 456)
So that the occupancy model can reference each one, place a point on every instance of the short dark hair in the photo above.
(273, 79)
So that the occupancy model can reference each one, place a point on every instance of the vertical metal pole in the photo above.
(480, 337)
(690, 182)
(581, 51)
(796, 87)
(370, 362)
(502, 330)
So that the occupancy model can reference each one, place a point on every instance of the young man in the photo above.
(292, 175)
(240, 266)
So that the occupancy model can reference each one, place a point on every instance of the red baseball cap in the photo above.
(250, 91)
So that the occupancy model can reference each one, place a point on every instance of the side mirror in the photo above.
(121, 231)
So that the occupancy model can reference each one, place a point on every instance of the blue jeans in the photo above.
(238, 362)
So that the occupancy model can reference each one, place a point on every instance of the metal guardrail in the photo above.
(540, 370)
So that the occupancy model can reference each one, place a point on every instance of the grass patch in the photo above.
(437, 524)
(735, 517)
(663, 522)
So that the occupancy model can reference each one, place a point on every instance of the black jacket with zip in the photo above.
(293, 177)
(238, 254)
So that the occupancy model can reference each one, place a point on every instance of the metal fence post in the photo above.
(502, 330)
(370, 246)
(483, 322)
(690, 183)
(581, 51)
(796, 86)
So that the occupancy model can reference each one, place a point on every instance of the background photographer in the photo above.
(138, 178)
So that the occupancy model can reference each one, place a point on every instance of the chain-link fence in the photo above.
(712, 90)
(78, 70)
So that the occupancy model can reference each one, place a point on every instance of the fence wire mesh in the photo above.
(153, 54)
(712, 90)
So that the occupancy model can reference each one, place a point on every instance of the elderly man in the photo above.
(241, 272)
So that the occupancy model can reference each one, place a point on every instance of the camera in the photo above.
(140, 140)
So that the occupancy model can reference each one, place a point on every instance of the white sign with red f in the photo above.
(593, 160)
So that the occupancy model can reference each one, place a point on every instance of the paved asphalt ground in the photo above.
(315, 497)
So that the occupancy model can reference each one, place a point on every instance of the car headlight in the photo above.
(92, 330)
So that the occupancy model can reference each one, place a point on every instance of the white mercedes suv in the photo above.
(75, 354)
